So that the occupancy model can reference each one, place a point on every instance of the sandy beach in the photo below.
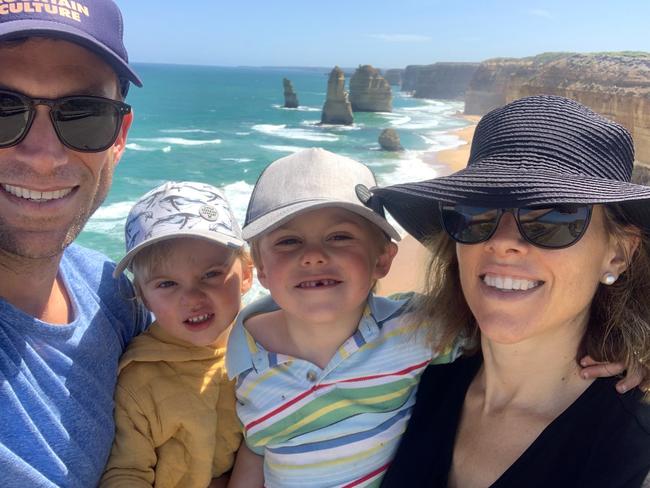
(409, 266)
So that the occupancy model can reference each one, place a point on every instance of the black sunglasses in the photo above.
(548, 227)
(82, 123)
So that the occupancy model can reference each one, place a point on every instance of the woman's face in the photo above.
(517, 291)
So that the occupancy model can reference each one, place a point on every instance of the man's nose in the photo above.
(41, 147)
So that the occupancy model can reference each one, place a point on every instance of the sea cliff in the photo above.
(439, 80)
(616, 85)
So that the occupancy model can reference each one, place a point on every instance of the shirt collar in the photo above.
(243, 353)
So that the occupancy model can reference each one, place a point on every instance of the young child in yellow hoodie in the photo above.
(174, 405)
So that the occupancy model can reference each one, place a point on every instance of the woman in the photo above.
(541, 249)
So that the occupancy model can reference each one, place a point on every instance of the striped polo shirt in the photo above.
(338, 426)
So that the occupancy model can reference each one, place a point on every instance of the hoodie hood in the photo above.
(155, 345)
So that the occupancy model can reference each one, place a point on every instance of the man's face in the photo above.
(73, 184)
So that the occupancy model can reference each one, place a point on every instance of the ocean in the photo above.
(222, 126)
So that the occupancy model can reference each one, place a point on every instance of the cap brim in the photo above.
(278, 217)
(220, 239)
(415, 205)
(35, 28)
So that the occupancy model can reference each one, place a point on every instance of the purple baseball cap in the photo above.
(94, 24)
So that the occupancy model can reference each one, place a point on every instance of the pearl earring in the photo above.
(609, 278)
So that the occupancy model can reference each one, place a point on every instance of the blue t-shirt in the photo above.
(57, 381)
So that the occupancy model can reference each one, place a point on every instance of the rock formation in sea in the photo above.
(439, 80)
(290, 98)
(337, 108)
(616, 85)
(389, 140)
(394, 76)
(369, 91)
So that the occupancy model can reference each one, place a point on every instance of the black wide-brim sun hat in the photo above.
(534, 152)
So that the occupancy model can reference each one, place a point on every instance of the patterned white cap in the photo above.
(179, 209)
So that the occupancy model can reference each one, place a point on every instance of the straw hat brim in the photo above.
(415, 205)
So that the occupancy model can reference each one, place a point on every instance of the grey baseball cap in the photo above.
(307, 180)
(179, 209)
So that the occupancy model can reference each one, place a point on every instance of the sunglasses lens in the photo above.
(554, 227)
(14, 117)
(467, 224)
(87, 124)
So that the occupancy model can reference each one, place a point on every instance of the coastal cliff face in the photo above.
(337, 108)
(394, 76)
(616, 85)
(439, 80)
(290, 98)
(410, 77)
(369, 91)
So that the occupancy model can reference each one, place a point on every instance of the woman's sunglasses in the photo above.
(548, 227)
(82, 123)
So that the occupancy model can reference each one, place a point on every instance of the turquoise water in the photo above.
(224, 125)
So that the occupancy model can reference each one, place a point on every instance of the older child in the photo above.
(175, 407)
(326, 371)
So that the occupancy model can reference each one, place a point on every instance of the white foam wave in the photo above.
(300, 108)
(289, 149)
(431, 123)
(179, 141)
(243, 133)
(109, 220)
(395, 118)
(114, 211)
(237, 160)
(138, 147)
(335, 127)
(281, 130)
(238, 194)
(439, 141)
(188, 131)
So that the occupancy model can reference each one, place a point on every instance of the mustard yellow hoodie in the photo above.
(175, 417)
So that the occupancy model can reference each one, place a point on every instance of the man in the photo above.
(63, 320)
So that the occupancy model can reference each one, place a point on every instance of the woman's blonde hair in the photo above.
(619, 323)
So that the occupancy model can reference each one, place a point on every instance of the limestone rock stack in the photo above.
(369, 91)
(337, 108)
(389, 140)
(616, 85)
(290, 98)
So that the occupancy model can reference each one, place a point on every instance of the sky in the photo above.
(385, 34)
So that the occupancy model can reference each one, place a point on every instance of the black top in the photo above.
(602, 440)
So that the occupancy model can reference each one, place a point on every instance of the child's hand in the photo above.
(632, 379)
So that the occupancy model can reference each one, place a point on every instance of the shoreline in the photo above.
(409, 266)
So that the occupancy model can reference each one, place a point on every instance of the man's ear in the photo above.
(120, 143)
(385, 260)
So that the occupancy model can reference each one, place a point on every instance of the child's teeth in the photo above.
(200, 318)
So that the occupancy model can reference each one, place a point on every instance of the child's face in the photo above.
(321, 265)
(195, 293)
